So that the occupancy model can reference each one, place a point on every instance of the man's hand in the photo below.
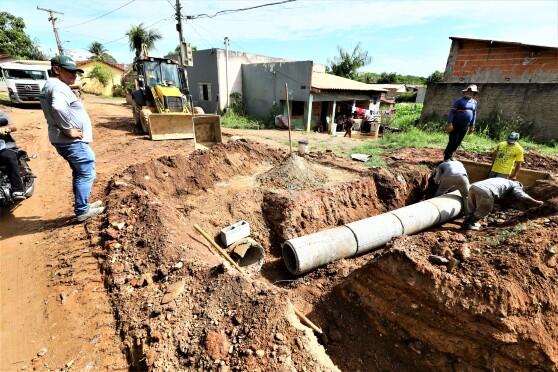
(4, 131)
(449, 127)
(74, 133)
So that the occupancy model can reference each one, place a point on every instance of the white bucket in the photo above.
(303, 147)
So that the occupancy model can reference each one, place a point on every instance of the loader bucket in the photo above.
(170, 126)
(208, 129)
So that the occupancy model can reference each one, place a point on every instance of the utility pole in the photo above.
(180, 35)
(182, 54)
(226, 41)
(53, 19)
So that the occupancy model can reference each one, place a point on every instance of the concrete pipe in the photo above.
(308, 252)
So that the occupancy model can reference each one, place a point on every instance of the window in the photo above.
(205, 91)
(25, 74)
(297, 108)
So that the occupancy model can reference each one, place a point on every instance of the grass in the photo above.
(415, 135)
(233, 120)
(5, 98)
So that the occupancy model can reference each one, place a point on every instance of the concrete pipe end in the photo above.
(290, 258)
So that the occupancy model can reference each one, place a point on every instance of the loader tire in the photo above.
(144, 120)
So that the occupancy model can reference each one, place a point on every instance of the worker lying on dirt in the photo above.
(482, 195)
(8, 157)
(507, 158)
(451, 175)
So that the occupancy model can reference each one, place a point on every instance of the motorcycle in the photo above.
(6, 200)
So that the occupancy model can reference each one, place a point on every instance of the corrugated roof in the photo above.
(321, 80)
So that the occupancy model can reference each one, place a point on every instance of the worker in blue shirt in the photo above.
(461, 119)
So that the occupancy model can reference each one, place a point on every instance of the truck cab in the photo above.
(24, 80)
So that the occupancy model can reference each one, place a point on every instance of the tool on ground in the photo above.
(288, 117)
(224, 254)
(162, 105)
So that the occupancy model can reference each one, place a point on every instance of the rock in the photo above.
(279, 336)
(464, 253)
(42, 352)
(438, 260)
(120, 184)
(69, 363)
(260, 353)
(179, 265)
(217, 345)
(173, 291)
(118, 225)
(335, 335)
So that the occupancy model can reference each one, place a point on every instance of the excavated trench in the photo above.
(179, 307)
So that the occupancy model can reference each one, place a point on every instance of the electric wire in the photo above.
(151, 25)
(98, 17)
(228, 11)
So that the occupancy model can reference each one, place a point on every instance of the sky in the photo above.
(407, 37)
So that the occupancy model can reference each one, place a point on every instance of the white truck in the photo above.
(25, 79)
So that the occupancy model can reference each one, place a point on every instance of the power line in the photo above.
(101, 16)
(200, 35)
(151, 25)
(228, 11)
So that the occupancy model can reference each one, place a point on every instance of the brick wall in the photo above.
(477, 61)
(533, 102)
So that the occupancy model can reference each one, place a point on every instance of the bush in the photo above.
(118, 91)
(406, 97)
(101, 73)
(232, 119)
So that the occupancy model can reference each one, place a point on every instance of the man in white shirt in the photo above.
(70, 132)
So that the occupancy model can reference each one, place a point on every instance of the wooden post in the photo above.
(288, 117)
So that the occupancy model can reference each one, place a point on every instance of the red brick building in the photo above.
(517, 82)
(492, 61)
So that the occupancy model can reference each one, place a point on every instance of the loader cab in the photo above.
(158, 71)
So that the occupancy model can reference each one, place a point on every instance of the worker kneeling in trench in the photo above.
(482, 195)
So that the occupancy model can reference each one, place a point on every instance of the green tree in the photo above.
(139, 35)
(387, 78)
(346, 64)
(435, 77)
(100, 53)
(14, 41)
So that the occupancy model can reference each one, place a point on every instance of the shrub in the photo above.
(232, 119)
(101, 73)
(118, 91)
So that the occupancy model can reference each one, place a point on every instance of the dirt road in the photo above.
(52, 298)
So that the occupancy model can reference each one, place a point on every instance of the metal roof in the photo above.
(322, 80)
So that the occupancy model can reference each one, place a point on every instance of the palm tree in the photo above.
(346, 64)
(139, 35)
(98, 50)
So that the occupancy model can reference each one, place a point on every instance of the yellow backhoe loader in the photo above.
(162, 105)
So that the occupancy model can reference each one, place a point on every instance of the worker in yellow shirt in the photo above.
(507, 158)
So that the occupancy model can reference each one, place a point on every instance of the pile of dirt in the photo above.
(294, 173)
(177, 306)
(493, 306)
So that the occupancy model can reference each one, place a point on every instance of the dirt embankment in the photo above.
(497, 309)
(174, 299)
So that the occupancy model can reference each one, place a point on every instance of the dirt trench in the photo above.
(179, 307)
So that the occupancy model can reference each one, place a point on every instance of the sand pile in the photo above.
(294, 173)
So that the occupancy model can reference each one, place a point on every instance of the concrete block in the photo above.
(235, 232)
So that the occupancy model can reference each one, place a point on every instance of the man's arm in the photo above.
(516, 170)
(7, 129)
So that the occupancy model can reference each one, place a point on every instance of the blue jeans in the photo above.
(82, 161)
